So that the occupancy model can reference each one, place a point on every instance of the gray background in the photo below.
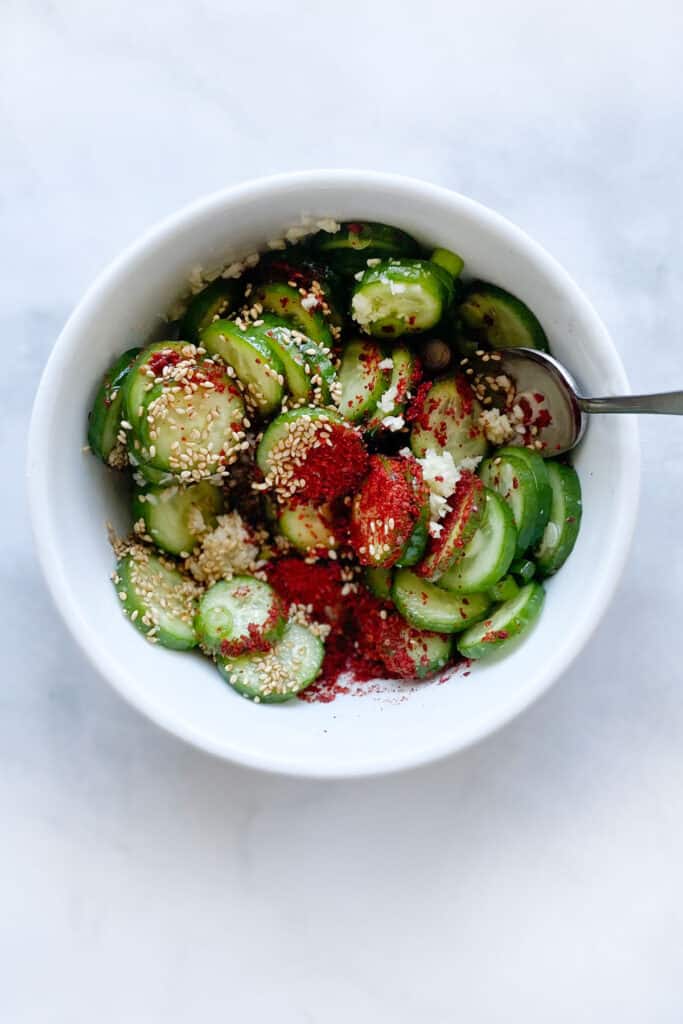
(536, 877)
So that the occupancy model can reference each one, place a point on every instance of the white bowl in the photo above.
(72, 496)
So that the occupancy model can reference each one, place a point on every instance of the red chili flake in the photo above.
(388, 329)
(527, 411)
(543, 419)
(411, 320)
(416, 411)
(515, 483)
(466, 394)
(318, 584)
(158, 361)
(539, 397)
(355, 229)
(284, 301)
(493, 635)
(331, 472)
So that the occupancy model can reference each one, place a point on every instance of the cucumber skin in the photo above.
(349, 249)
(503, 565)
(472, 643)
(525, 531)
(144, 509)
(219, 297)
(105, 406)
(378, 581)
(568, 479)
(353, 350)
(271, 295)
(538, 467)
(216, 339)
(416, 544)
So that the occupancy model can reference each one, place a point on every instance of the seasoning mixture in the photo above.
(333, 481)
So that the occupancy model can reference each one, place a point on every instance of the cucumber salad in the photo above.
(330, 475)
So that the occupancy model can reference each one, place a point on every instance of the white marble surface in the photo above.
(536, 877)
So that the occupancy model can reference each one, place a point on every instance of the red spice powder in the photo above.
(158, 361)
(318, 584)
(415, 413)
(466, 394)
(331, 472)
(393, 489)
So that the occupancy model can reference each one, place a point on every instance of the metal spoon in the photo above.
(539, 376)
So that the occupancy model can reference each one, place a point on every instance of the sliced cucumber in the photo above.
(254, 359)
(238, 616)
(401, 296)
(509, 622)
(386, 510)
(515, 481)
(562, 529)
(500, 320)
(150, 475)
(523, 569)
(214, 302)
(176, 517)
(349, 249)
(503, 590)
(159, 601)
(378, 582)
(285, 301)
(306, 364)
(426, 606)
(104, 419)
(193, 432)
(488, 555)
(405, 372)
(451, 262)
(446, 418)
(416, 545)
(538, 467)
(148, 367)
(362, 380)
(277, 675)
(277, 433)
(458, 528)
(308, 528)
(416, 653)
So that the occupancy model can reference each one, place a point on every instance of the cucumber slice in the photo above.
(378, 581)
(416, 545)
(104, 419)
(500, 320)
(488, 555)
(401, 296)
(509, 622)
(308, 528)
(157, 477)
(362, 380)
(451, 262)
(159, 601)
(416, 653)
(215, 301)
(349, 249)
(446, 418)
(503, 590)
(285, 301)
(386, 510)
(307, 367)
(254, 359)
(405, 373)
(513, 479)
(538, 467)
(426, 606)
(277, 675)
(458, 528)
(523, 569)
(176, 517)
(148, 368)
(562, 529)
(192, 433)
(277, 433)
(238, 616)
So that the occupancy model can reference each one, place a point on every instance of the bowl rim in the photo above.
(46, 544)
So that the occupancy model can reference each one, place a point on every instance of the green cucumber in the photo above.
(497, 319)
(502, 629)
(426, 606)
(378, 581)
(215, 302)
(514, 480)
(503, 590)
(308, 528)
(446, 418)
(149, 367)
(362, 379)
(523, 569)
(283, 300)
(254, 359)
(400, 296)
(104, 419)
(238, 616)
(159, 601)
(428, 652)
(487, 557)
(308, 370)
(177, 517)
(458, 528)
(538, 467)
(349, 248)
(278, 430)
(562, 528)
(277, 675)
(416, 544)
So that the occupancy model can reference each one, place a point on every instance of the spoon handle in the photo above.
(669, 404)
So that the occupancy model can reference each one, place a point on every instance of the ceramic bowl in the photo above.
(72, 496)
